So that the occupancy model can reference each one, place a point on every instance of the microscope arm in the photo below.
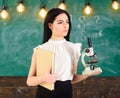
(89, 52)
(82, 58)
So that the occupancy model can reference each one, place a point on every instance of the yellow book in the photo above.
(45, 61)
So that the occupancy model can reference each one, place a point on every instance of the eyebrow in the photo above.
(63, 20)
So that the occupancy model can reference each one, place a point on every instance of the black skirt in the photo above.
(63, 89)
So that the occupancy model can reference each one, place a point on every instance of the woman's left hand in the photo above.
(95, 72)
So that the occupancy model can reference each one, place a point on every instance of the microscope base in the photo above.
(87, 70)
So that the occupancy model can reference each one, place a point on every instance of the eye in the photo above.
(67, 22)
(60, 22)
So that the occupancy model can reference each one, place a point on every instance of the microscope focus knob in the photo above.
(87, 50)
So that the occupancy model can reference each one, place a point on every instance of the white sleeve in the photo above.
(77, 48)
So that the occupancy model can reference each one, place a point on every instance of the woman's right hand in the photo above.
(50, 78)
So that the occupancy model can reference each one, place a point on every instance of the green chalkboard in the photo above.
(22, 32)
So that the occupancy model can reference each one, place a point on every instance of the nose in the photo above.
(65, 25)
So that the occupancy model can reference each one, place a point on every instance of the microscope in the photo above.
(90, 66)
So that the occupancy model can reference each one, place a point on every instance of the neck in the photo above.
(57, 38)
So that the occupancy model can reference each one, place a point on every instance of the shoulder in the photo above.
(74, 45)
(40, 46)
(37, 47)
(74, 49)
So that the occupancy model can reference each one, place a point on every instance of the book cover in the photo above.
(45, 62)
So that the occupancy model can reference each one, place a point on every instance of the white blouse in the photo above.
(66, 54)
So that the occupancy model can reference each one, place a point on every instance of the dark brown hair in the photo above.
(50, 17)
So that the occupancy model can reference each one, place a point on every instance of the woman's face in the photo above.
(59, 27)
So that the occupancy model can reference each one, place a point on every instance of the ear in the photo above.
(50, 25)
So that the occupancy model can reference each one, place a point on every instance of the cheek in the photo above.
(57, 28)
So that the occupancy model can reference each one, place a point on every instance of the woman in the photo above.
(57, 26)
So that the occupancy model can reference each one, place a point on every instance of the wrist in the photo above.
(41, 79)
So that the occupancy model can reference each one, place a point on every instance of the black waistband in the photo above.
(67, 81)
(59, 83)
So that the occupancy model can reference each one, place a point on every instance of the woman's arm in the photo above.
(33, 80)
(79, 77)
(76, 77)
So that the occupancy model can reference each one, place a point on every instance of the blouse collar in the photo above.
(57, 41)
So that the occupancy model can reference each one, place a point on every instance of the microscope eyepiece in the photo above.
(89, 42)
